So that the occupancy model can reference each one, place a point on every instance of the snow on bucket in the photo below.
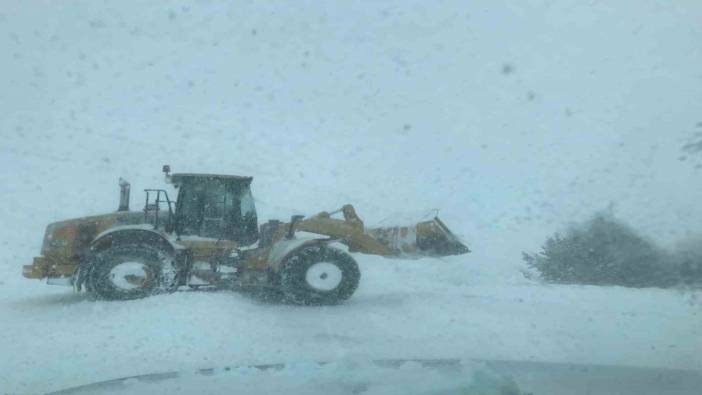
(426, 238)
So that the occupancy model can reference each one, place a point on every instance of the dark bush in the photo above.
(688, 257)
(604, 251)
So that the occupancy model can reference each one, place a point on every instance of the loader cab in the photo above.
(215, 206)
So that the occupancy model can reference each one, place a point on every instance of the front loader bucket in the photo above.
(427, 238)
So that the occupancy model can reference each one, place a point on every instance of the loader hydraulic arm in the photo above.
(349, 230)
(427, 238)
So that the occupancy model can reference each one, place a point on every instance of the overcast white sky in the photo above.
(514, 118)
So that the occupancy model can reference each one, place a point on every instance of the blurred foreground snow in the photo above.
(427, 308)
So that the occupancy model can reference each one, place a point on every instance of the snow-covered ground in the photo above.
(513, 118)
(53, 339)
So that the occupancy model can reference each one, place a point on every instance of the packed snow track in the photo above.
(54, 338)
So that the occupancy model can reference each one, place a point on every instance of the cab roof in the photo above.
(179, 178)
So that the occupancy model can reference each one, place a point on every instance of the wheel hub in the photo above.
(130, 275)
(323, 276)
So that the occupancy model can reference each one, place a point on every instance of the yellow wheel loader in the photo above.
(209, 236)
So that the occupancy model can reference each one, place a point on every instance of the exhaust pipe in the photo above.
(123, 195)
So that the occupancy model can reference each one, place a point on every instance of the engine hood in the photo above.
(71, 235)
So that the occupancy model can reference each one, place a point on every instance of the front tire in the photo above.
(130, 272)
(319, 275)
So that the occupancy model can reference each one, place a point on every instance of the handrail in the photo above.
(156, 206)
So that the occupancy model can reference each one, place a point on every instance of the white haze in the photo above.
(512, 118)
(394, 106)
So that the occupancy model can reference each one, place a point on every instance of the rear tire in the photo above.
(319, 275)
(130, 272)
